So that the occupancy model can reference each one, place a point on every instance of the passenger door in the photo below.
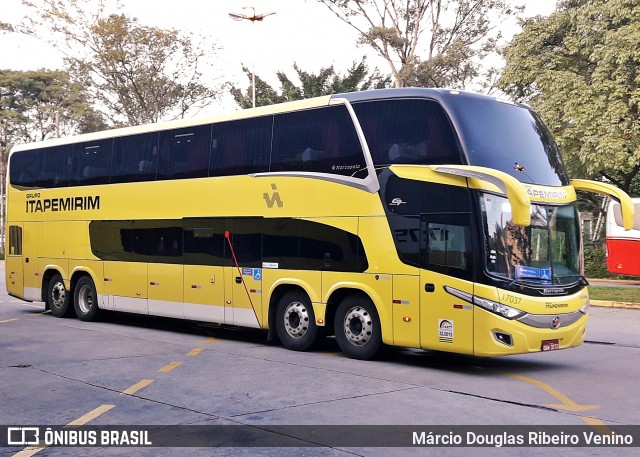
(162, 246)
(31, 239)
(243, 276)
(125, 277)
(446, 279)
(204, 284)
(14, 274)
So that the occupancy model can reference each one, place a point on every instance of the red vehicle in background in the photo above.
(623, 246)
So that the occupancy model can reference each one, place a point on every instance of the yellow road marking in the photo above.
(195, 351)
(29, 451)
(208, 340)
(8, 320)
(91, 415)
(566, 403)
(597, 423)
(100, 410)
(168, 368)
(138, 386)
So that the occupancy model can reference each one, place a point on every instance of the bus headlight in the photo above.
(498, 308)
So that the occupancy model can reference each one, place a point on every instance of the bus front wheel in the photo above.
(58, 297)
(85, 299)
(357, 328)
(296, 322)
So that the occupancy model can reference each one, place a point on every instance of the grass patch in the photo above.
(624, 294)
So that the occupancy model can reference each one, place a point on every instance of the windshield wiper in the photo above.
(582, 279)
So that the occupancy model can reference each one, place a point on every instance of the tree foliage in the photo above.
(433, 43)
(580, 69)
(325, 82)
(37, 105)
(42, 104)
(135, 73)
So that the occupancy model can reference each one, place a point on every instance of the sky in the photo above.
(301, 31)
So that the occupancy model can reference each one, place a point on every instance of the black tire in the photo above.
(58, 297)
(296, 322)
(85, 300)
(357, 328)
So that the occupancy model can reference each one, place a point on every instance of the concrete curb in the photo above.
(615, 304)
(629, 282)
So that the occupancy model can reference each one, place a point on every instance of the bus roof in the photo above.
(159, 126)
(440, 95)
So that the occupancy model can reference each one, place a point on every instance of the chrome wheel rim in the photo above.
(85, 299)
(358, 326)
(58, 295)
(296, 319)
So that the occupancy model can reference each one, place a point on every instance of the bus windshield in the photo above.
(509, 138)
(547, 252)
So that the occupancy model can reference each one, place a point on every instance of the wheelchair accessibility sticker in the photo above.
(255, 272)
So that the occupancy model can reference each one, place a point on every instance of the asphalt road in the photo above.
(129, 370)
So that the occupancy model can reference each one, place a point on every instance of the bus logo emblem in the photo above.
(274, 198)
(555, 322)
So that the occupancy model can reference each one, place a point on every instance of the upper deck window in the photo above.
(318, 140)
(241, 147)
(135, 158)
(408, 131)
(24, 168)
(90, 162)
(184, 153)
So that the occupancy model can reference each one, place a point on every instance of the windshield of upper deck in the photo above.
(508, 137)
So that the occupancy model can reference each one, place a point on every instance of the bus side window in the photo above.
(55, 168)
(296, 140)
(204, 242)
(318, 140)
(135, 158)
(241, 147)
(23, 168)
(408, 131)
(184, 153)
(90, 162)
(157, 241)
(446, 244)
(15, 240)
(327, 248)
(246, 238)
(111, 240)
(281, 242)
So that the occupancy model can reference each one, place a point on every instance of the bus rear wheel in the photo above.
(85, 299)
(296, 322)
(357, 328)
(58, 297)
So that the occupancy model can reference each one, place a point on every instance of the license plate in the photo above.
(550, 345)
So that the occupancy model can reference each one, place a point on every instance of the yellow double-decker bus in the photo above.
(424, 218)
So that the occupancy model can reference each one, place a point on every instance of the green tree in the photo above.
(136, 74)
(37, 105)
(325, 82)
(434, 43)
(580, 69)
